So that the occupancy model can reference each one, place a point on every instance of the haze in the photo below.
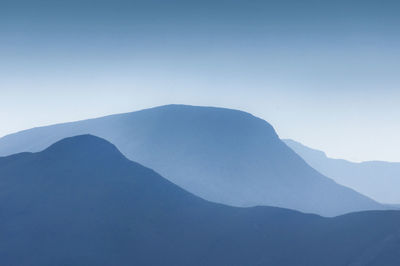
(326, 74)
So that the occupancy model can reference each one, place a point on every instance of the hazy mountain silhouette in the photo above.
(376, 179)
(81, 202)
(222, 155)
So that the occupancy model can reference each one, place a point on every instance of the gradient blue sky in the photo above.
(325, 73)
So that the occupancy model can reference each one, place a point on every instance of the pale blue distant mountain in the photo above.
(375, 179)
(81, 202)
(221, 155)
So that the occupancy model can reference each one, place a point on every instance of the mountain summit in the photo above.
(219, 154)
(88, 146)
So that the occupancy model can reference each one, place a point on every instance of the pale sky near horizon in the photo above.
(324, 73)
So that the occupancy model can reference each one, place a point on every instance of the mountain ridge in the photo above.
(376, 179)
(222, 155)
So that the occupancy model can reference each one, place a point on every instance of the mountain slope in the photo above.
(375, 179)
(222, 155)
(80, 202)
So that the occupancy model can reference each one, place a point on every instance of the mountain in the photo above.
(81, 202)
(221, 155)
(375, 179)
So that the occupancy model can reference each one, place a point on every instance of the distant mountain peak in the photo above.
(297, 145)
(376, 179)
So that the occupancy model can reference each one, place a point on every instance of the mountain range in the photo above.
(375, 179)
(222, 155)
(81, 202)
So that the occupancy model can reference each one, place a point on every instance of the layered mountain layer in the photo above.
(221, 155)
(376, 179)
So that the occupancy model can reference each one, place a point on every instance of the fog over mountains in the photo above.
(81, 202)
(221, 155)
(376, 179)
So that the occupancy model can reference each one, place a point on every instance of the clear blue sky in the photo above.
(325, 73)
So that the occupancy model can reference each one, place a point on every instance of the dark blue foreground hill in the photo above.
(81, 202)
(222, 155)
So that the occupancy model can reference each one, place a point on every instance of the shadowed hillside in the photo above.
(81, 202)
